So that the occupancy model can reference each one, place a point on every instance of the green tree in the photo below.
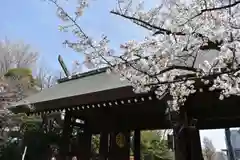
(13, 147)
(15, 85)
(154, 147)
(17, 66)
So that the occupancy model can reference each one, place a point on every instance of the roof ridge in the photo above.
(82, 75)
(90, 73)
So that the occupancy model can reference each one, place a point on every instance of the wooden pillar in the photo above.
(84, 142)
(137, 143)
(192, 142)
(119, 146)
(187, 139)
(66, 135)
(87, 143)
(196, 144)
(104, 144)
(80, 152)
(179, 144)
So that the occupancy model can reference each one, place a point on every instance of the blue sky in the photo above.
(35, 22)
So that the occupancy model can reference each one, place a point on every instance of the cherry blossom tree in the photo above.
(15, 85)
(188, 41)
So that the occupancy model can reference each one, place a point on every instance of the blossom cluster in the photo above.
(188, 41)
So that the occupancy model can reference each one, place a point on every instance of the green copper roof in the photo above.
(86, 83)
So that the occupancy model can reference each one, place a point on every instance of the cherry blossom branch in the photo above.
(212, 9)
(139, 70)
(219, 8)
(80, 29)
(173, 67)
(70, 18)
(186, 68)
(160, 30)
(208, 46)
(174, 43)
(186, 77)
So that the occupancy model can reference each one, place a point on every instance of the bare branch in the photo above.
(16, 55)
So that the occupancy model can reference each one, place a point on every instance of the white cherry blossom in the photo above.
(189, 41)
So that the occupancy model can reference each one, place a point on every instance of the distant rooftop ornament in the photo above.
(60, 60)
